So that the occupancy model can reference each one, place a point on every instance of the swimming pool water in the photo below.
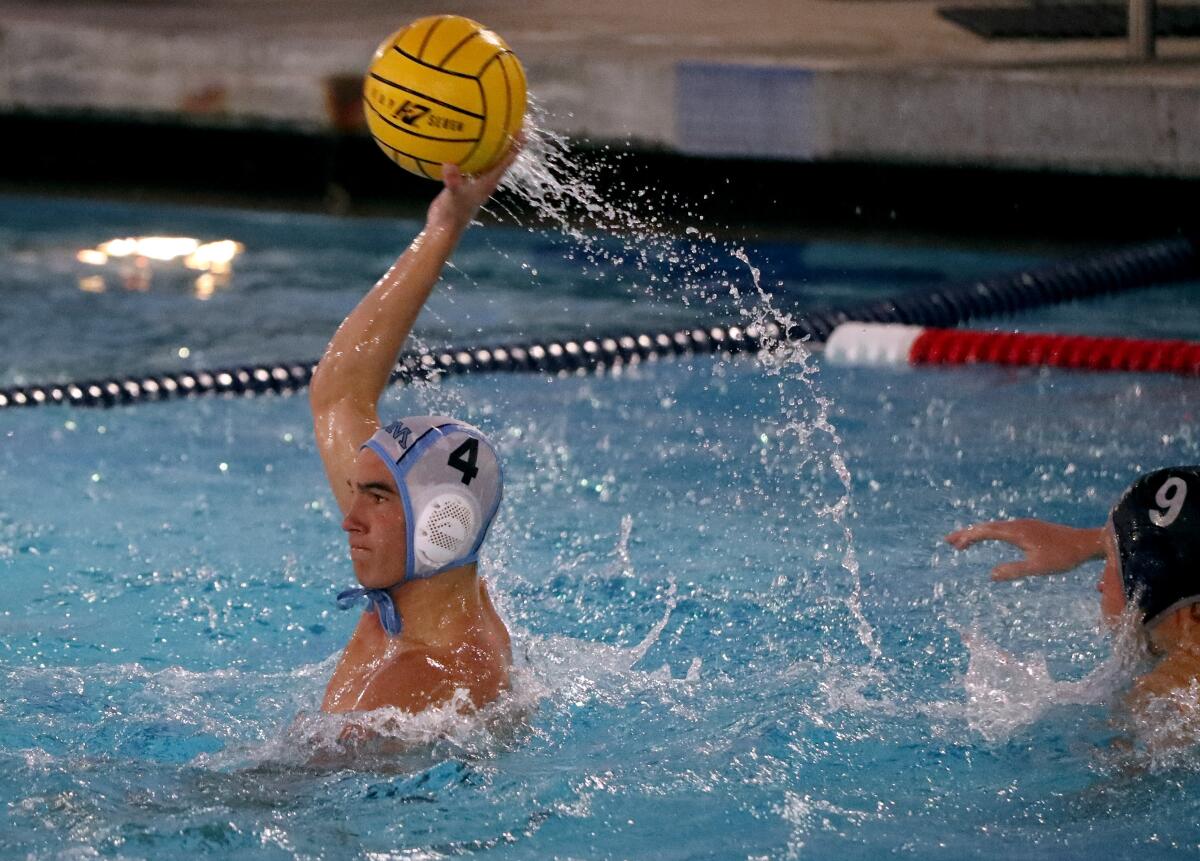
(300, 275)
(703, 669)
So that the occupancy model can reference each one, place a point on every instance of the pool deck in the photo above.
(800, 80)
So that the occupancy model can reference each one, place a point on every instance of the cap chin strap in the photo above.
(384, 605)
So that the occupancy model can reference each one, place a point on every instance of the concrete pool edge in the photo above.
(795, 81)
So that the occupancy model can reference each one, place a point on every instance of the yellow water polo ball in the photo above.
(444, 89)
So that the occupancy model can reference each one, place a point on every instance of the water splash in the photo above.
(1005, 693)
(393, 740)
(790, 359)
(652, 245)
(634, 236)
(1164, 731)
(806, 814)
(622, 550)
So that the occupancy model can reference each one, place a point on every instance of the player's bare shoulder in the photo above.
(412, 680)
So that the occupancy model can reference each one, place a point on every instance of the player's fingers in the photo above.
(518, 143)
(958, 539)
(1015, 570)
(963, 538)
(496, 173)
(452, 176)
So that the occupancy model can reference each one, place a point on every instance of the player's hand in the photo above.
(1049, 548)
(462, 195)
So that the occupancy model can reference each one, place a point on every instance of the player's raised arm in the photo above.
(1050, 548)
(359, 360)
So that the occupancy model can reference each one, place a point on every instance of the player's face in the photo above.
(1112, 590)
(375, 524)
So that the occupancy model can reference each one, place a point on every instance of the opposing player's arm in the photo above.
(358, 362)
(1050, 548)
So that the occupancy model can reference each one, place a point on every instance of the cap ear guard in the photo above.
(445, 528)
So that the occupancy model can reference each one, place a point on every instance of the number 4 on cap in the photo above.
(463, 459)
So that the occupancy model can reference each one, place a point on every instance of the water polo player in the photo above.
(1151, 548)
(417, 496)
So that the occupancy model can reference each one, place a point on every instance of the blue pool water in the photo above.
(727, 646)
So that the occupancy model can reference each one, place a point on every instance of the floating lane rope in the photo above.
(553, 357)
(1124, 269)
(891, 344)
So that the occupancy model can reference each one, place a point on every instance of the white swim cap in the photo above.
(450, 482)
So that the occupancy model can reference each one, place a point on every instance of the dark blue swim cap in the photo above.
(1157, 525)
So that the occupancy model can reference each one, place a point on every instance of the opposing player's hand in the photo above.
(462, 195)
(1049, 548)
